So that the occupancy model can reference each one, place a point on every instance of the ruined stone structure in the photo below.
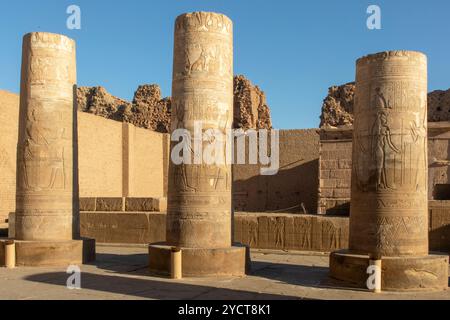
(149, 110)
(200, 213)
(47, 216)
(337, 108)
(389, 215)
(250, 106)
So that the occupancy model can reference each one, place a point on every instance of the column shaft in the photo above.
(389, 180)
(199, 196)
(45, 201)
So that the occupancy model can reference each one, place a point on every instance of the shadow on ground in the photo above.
(153, 289)
(124, 276)
(292, 274)
(299, 275)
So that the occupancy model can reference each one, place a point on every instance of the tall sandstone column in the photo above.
(389, 199)
(47, 186)
(200, 213)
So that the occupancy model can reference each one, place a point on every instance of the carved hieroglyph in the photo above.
(199, 199)
(45, 201)
(389, 179)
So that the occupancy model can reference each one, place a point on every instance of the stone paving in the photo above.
(120, 272)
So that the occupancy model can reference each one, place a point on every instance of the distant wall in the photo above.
(9, 119)
(145, 163)
(99, 156)
(115, 159)
(336, 162)
(295, 184)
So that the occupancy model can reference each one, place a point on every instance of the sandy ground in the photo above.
(120, 273)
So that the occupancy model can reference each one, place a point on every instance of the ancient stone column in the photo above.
(200, 213)
(47, 187)
(389, 181)
(389, 201)
(199, 208)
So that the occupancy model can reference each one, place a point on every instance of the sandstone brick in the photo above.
(324, 174)
(88, 204)
(110, 204)
(326, 192)
(341, 183)
(341, 174)
(341, 193)
(345, 164)
(328, 183)
(327, 146)
(123, 227)
(329, 164)
(140, 204)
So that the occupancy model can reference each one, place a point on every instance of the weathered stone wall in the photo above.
(257, 230)
(115, 159)
(337, 108)
(145, 162)
(9, 121)
(149, 110)
(293, 189)
(250, 106)
(100, 156)
(335, 164)
(335, 156)
(439, 161)
(120, 160)
(439, 225)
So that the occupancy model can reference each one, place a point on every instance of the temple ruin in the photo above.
(81, 166)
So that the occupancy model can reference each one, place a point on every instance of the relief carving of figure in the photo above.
(330, 236)
(380, 101)
(305, 228)
(180, 172)
(381, 145)
(43, 157)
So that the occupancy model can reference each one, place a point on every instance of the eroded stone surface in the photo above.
(337, 108)
(45, 203)
(389, 177)
(199, 197)
(250, 106)
(150, 111)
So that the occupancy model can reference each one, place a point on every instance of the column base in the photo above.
(422, 273)
(202, 262)
(51, 253)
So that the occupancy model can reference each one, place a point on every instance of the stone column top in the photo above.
(385, 55)
(50, 40)
(204, 21)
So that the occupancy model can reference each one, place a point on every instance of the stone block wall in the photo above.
(291, 232)
(9, 120)
(115, 160)
(336, 159)
(439, 226)
(439, 161)
(335, 163)
(258, 230)
(99, 156)
(293, 189)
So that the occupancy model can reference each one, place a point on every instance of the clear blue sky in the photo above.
(294, 50)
